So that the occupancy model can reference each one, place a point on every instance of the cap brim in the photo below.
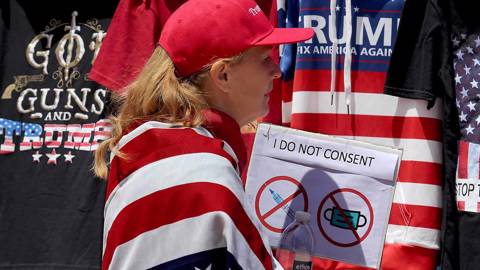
(286, 35)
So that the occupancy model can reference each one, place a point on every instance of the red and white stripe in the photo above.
(414, 226)
(468, 177)
(7, 146)
(102, 131)
(51, 131)
(178, 194)
(33, 142)
(79, 136)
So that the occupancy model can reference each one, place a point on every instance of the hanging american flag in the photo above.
(466, 65)
(178, 203)
(412, 239)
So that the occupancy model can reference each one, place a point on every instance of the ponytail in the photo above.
(156, 95)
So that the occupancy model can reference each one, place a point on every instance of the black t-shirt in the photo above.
(437, 55)
(51, 121)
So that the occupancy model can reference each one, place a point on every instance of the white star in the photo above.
(458, 103)
(52, 157)
(460, 54)
(454, 63)
(455, 41)
(477, 42)
(464, 92)
(476, 62)
(457, 79)
(463, 117)
(69, 157)
(464, 36)
(467, 70)
(471, 106)
(469, 129)
(36, 157)
(337, 8)
(474, 83)
(478, 120)
(356, 9)
(469, 50)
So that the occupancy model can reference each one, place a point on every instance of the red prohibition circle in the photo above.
(261, 217)
(319, 215)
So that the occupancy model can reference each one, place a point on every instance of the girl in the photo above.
(174, 196)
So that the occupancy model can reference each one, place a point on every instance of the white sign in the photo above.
(347, 186)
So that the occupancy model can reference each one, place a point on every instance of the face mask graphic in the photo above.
(341, 218)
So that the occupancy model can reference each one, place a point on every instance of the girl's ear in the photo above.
(220, 74)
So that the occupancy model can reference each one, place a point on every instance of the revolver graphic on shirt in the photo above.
(20, 82)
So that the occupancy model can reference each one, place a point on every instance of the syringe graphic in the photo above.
(278, 199)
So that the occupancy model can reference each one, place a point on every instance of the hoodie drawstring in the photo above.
(333, 33)
(347, 64)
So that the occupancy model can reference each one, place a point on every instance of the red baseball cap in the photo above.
(201, 31)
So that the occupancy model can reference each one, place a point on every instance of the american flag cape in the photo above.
(177, 202)
(412, 239)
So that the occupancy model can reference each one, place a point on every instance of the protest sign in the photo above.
(347, 186)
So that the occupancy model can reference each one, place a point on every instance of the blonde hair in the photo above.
(157, 94)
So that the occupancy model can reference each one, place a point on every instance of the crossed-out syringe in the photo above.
(278, 199)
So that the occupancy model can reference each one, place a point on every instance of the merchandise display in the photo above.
(52, 118)
(334, 83)
(437, 59)
(404, 74)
